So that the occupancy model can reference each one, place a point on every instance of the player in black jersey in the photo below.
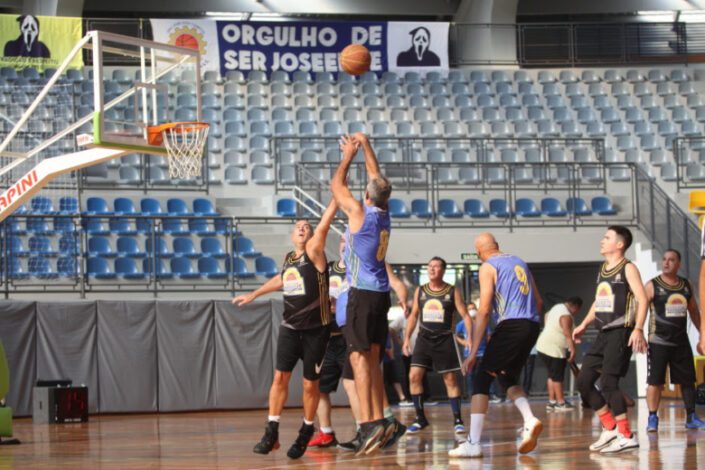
(672, 299)
(435, 304)
(620, 312)
(305, 329)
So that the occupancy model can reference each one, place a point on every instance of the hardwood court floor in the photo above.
(224, 439)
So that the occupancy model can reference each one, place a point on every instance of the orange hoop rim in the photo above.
(155, 133)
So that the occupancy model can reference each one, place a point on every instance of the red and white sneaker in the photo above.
(323, 439)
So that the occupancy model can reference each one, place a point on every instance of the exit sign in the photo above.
(469, 257)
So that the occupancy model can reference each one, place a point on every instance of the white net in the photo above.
(184, 143)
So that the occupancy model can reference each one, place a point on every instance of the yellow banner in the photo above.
(38, 41)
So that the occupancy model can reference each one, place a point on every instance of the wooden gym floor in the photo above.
(224, 439)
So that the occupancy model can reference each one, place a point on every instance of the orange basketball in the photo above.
(355, 59)
(186, 40)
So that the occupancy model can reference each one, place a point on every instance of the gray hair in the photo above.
(378, 190)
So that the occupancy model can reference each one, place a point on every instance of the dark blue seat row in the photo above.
(149, 206)
(524, 207)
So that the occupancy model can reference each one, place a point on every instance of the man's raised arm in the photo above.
(339, 187)
(371, 163)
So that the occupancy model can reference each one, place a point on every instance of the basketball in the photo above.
(186, 40)
(355, 59)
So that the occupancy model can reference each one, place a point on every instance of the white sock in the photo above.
(553, 402)
(522, 405)
(477, 421)
(307, 422)
(274, 418)
(327, 429)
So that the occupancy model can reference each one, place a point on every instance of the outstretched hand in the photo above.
(348, 146)
(361, 138)
(243, 299)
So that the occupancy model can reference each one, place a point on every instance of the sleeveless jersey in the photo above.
(338, 287)
(615, 305)
(436, 309)
(365, 252)
(669, 312)
(306, 301)
(514, 298)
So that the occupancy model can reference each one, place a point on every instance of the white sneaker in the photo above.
(620, 444)
(530, 436)
(466, 449)
(606, 436)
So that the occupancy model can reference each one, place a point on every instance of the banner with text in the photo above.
(38, 41)
(308, 46)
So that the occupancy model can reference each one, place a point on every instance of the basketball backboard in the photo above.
(126, 100)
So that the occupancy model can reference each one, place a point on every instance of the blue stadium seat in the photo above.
(266, 266)
(124, 206)
(183, 268)
(162, 250)
(397, 209)
(40, 245)
(286, 207)
(499, 208)
(200, 227)
(41, 205)
(149, 265)
(14, 226)
(126, 268)
(64, 225)
(100, 246)
(525, 207)
(210, 267)
(150, 206)
(577, 206)
(68, 205)
(552, 207)
(449, 209)
(243, 246)
(122, 226)
(128, 247)
(421, 209)
(174, 226)
(97, 206)
(41, 268)
(177, 206)
(224, 226)
(16, 270)
(99, 268)
(475, 209)
(602, 205)
(67, 266)
(183, 246)
(211, 246)
(96, 226)
(239, 268)
(15, 247)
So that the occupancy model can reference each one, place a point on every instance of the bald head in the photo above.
(486, 245)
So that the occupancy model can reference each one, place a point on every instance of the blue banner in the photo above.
(291, 46)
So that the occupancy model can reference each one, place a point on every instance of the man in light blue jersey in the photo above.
(367, 238)
(508, 288)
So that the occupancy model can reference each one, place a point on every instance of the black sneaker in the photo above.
(299, 446)
(399, 430)
(270, 440)
(388, 424)
(352, 444)
(370, 434)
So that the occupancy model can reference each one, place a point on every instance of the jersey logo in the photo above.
(676, 306)
(604, 298)
(433, 312)
(618, 279)
(293, 282)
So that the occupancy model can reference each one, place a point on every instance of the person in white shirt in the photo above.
(556, 348)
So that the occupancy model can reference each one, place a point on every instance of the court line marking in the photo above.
(395, 456)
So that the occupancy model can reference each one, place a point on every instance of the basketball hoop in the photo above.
(184, 143)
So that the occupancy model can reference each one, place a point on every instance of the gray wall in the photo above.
(146, 356)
